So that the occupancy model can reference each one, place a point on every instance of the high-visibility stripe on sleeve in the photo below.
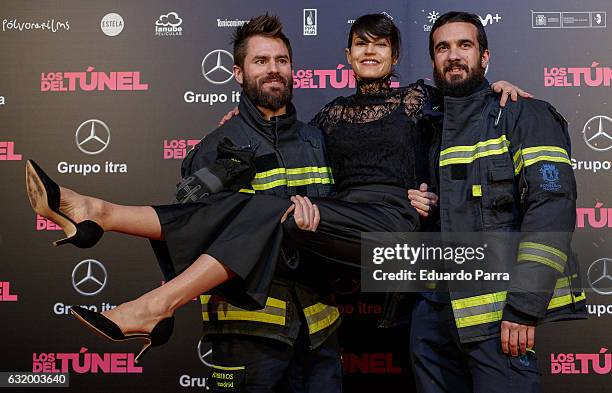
(532, 155)
(542, 253)
(487, 308)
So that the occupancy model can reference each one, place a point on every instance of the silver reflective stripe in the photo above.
(268, 179)
(547, 153)
(478, 310)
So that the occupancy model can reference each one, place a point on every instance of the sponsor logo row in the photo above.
(170, 24)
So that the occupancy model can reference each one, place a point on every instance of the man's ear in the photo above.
(347, 52)
(485, 58)
(237, 74)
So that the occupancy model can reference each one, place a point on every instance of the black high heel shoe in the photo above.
(44, 195)
(106, 328)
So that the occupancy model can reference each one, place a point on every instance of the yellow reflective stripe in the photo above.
(547, 158)
(250, 316)
(314, 309)
(518, 161)
(228, 312)
(267, 186)
(246, 191)
(540, 149)
(534, 154)
(273, 302)
(270, 301)
(473, 147)
(259, 183)
(564, 281)
(494, 316)
(227, 368)
(479, 300)
(546, 248)
(312, 180)
(542, 260)
(271, 172)
(467, 160)
(477, 190)
(308, 169)
(330, 315)
(565, 300)
(479, 319)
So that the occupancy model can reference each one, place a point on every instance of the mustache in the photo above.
(276, 77)
(456, 64)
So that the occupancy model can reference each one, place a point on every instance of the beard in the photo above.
(458, 87)
(274, 99)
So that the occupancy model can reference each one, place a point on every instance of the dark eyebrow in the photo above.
(440, 44)
(465, 40)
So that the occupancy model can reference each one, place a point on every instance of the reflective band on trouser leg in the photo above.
(542, 253)
(534, 154)
(468, 154)
(274, 312)
(320, 316)
(488, 308)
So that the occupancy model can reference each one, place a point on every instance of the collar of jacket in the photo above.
(269, 129)
(460, 112)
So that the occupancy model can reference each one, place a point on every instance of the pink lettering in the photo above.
(5, 292)
(7, 152)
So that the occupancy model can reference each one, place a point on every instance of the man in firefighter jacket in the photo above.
(497, 170)
(292, 341)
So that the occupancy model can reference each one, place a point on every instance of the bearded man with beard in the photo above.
(500, 170)
(274, 348)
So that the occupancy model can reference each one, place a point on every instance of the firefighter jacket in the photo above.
(509, 169)
(289, 160)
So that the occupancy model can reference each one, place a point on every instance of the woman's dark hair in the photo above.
(457, 16)
(268, 26)
(371, 26)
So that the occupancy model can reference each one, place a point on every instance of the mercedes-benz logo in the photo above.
(204, 357)
(217, 66)
(599, 276)
(92, 137)
(597, 133)
(89, 277)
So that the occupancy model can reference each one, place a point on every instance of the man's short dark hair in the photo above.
(457, 16)
(268, 26)
(371, 26)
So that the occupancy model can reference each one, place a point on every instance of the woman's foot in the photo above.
(138, 316)
(81, 217)
(79, 207)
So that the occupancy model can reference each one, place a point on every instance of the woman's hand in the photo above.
(306, 214)
(507, 89)
(232, 113)
(424, 202)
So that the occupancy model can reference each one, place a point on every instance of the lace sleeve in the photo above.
(327, 116)
(415, 97)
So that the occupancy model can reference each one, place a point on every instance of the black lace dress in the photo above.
(377, 150)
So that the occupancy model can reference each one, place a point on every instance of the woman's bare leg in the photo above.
(142, 314)
(139, 221)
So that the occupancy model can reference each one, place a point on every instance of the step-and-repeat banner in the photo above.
(109, 97)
